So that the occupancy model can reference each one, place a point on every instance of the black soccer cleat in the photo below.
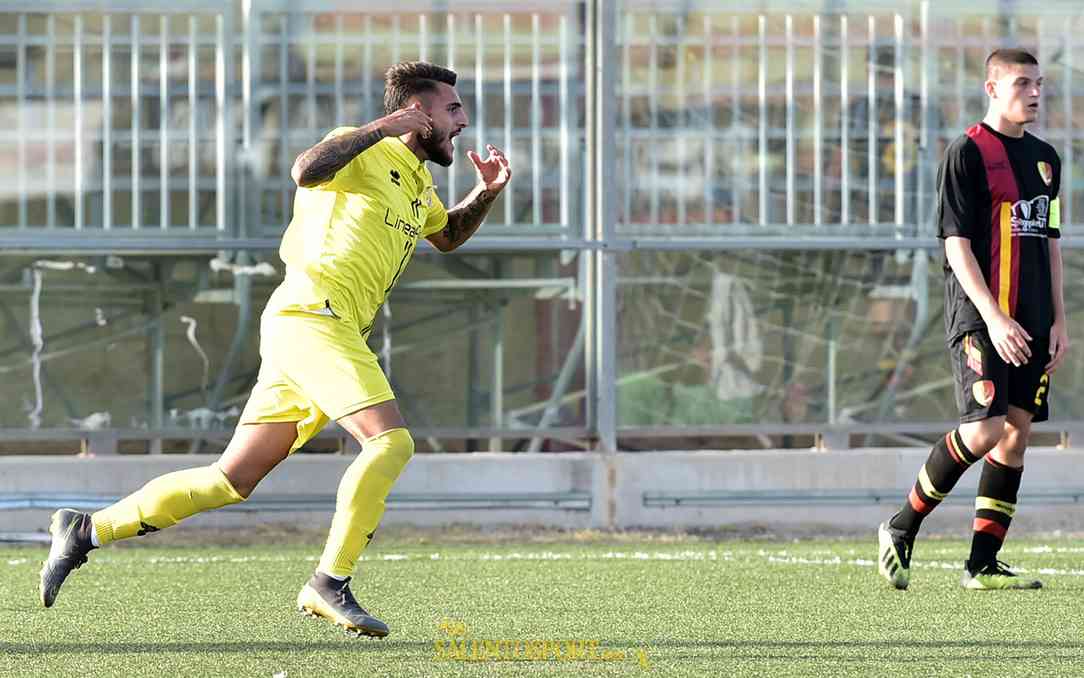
(327, 597)
(894, 555)
(71, 544)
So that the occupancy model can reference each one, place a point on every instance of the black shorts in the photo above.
(986, 385)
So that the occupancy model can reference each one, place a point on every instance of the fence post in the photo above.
(600, 294)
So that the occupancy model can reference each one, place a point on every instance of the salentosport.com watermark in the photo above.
(458, 646)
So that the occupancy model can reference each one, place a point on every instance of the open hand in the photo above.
(494, 171)
(1010, 340)
(1059, 345)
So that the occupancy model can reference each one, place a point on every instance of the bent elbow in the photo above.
(297, 175)
(302, 174)
(442, 245)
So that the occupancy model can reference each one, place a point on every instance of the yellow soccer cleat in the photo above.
(327, 597)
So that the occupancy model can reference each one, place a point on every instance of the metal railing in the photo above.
(181, 121)
(121, 138)
(148, 101)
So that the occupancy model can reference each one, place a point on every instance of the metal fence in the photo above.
(181, 123)
(183, 120)
(643, 135)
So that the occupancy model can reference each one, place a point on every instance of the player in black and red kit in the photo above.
(998, 215)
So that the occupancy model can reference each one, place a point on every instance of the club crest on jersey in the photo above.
(983, 390)
(1046, 172)
(395, 177)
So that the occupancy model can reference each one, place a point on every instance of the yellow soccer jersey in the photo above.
(351, 237)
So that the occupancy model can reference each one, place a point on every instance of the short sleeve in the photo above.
(347, 178)
(1054, 220)
(437, 218)
(959, 191)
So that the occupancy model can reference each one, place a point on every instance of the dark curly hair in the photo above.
(411, 78)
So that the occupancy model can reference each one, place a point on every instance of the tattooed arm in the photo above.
(325, 159)
(465, 218)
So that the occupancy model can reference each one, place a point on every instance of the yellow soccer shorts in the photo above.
(315, 368)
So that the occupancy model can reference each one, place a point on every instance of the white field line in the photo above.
(471, 556)
(818, 558)
(918, 564)
(687, 555)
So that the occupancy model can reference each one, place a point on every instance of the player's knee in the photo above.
(983, 443)
(1015, 441)
(388, 453)
(400, 445)
(982, 438)
(393, 443)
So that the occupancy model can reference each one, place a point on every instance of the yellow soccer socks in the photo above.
(359, 504)
(164, 502)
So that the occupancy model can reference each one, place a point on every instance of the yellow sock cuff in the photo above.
(227, 487)
(390, 433)
(103, 528)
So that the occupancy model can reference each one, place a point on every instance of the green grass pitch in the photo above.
(671, 607)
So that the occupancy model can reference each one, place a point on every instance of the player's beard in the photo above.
(433, 145)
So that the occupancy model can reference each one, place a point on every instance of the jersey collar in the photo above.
(406, 155)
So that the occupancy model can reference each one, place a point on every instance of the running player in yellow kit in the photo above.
(365, 197)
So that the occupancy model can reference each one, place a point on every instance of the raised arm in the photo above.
(465, 218)
(325, 159)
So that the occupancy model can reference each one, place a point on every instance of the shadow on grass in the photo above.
(860, 651)
(799, 644)
(670, 648)
(352, 644)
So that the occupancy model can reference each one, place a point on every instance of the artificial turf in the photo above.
(673, 608)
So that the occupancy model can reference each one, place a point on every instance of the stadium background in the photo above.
(719, 235)
(709, 306)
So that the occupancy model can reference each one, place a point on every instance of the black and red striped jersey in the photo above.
(1001, 193)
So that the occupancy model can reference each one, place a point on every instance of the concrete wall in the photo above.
(880, 470)
(616, 485)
